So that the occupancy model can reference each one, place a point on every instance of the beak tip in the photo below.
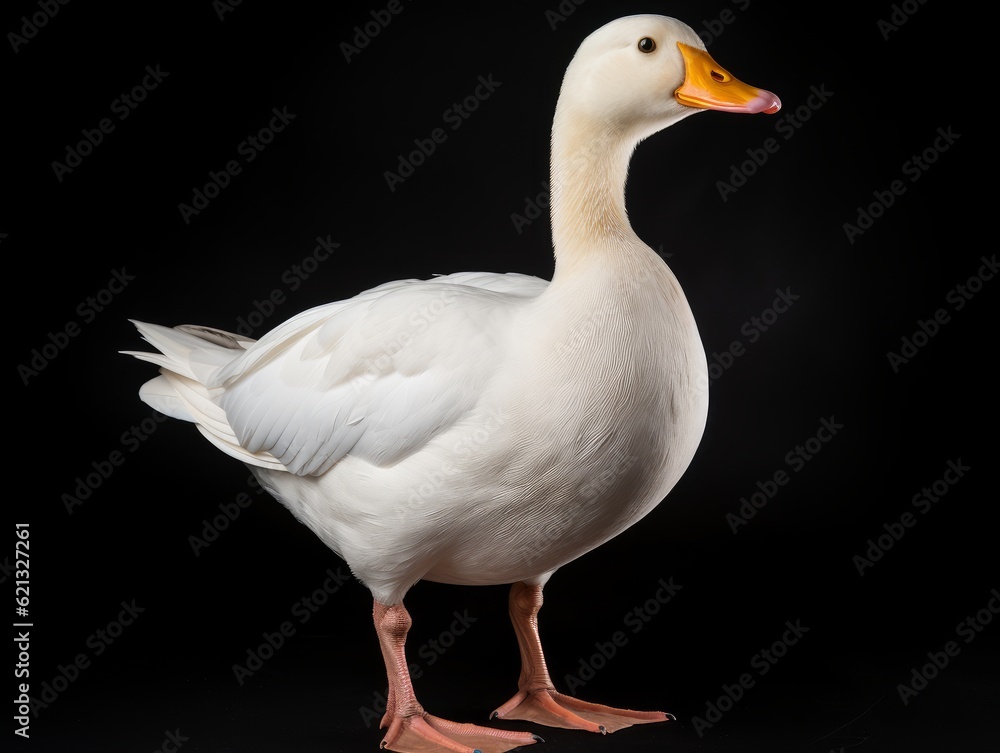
(770, 103)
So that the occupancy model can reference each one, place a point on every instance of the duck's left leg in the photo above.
(411, 728)
(537, 699)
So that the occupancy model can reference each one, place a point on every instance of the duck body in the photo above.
(479, 428)
(582, 428)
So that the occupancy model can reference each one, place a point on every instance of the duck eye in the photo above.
(646, 44)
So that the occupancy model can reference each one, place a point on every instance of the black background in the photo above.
(323, 176)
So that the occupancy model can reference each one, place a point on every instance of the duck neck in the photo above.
(589, 166)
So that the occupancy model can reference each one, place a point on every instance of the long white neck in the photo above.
(589, 167)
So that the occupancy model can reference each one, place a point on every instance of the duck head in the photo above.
(643, 73)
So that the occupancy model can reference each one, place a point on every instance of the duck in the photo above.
(484, 429)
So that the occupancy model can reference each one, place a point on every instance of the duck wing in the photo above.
(376, 376)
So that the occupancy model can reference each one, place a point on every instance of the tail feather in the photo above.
(198, 402)
(190, 357)
(217, 336)
(160, 395)
(233, 449)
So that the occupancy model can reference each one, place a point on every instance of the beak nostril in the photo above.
(721, 77)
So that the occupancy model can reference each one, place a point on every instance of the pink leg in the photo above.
(413, 730)
(537, 699)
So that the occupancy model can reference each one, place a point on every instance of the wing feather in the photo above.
(376, 376)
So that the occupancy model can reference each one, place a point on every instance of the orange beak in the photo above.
(708, 85)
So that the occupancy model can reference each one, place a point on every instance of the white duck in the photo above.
(483, 428)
